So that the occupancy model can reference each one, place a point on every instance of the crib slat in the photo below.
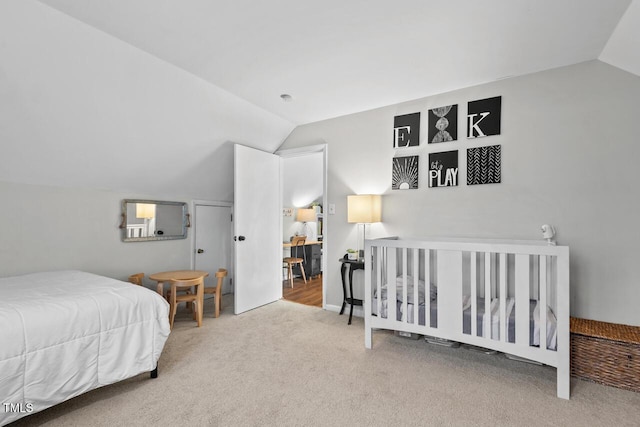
(522, 298)
(416, 287)
(405, 300)
(473, 294)
(392, 272)
(503, 297)
(427, 281)
(486, 321)
(380, 258)
(542, 303)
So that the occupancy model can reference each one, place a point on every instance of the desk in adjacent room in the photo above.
(312, 256)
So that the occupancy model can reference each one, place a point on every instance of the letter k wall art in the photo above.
(483, 117)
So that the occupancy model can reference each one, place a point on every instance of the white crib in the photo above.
(487, 293)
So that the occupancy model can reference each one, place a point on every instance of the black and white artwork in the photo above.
(405, 173)
(443, 124)
(483, 165)
(406, 130)
(443, 169)
(483, 117)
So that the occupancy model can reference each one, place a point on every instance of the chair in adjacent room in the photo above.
(217, 290)
(196, 297)
(136, 279)
(297, 245)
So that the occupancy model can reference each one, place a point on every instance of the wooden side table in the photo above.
(348, 298)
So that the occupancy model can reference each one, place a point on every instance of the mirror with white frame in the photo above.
(146, 220)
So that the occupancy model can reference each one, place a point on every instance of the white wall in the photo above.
(53, 228)
(569, 158)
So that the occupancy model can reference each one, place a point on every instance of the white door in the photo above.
(256, 225)
(213, 242)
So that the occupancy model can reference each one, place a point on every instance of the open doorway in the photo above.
(304, 199)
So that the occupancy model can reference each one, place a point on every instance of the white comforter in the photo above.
(65, 333)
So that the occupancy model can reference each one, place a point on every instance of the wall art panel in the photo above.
(484, 165)
(443, 169)
(443, 124)
(406, 130)
(405, 173)
(483, 117)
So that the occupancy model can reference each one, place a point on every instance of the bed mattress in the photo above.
(65, 333)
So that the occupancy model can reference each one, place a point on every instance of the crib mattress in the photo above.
(493, 331)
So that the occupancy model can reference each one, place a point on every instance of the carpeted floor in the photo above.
(287, 364)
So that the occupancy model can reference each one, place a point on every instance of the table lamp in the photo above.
(304, 216)
(364, 209)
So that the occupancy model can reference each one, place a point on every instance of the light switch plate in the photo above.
(332, 209)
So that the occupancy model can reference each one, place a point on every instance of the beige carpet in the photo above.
(287, 364)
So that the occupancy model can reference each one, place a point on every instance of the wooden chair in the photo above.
(217, 290)
(136, 279)
(176, 297)
(296, 244)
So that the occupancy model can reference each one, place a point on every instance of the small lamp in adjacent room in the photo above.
(304, 216)
(364, 209)
(145, 210)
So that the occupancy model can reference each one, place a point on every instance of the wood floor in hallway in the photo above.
(307, 294)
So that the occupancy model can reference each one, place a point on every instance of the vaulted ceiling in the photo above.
(149, 96)
(337, 57)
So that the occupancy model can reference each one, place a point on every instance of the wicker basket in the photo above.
(606, 353)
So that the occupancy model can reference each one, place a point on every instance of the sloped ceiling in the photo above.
(337, 57)
(148, 96)
(623, 48)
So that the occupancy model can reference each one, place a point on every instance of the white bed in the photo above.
(65, 333)
(511, 274)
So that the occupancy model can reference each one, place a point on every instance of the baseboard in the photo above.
(357, 311)
(334, 308)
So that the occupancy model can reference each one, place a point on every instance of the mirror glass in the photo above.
(144, 220)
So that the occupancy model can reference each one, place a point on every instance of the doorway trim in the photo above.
(304, 151)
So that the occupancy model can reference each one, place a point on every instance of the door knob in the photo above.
(200, 251)
(241, 238)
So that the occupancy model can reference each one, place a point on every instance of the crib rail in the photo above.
(482, 292)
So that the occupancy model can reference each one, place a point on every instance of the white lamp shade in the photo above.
(364, 208)
(145, 210)
(306, 215)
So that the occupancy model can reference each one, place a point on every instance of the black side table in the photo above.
(348, 299)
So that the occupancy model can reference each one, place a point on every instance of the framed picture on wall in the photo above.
(406, 130)
(484, 165)
(443, 169)
(483, 117)
(443, 124)
(405, 173)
